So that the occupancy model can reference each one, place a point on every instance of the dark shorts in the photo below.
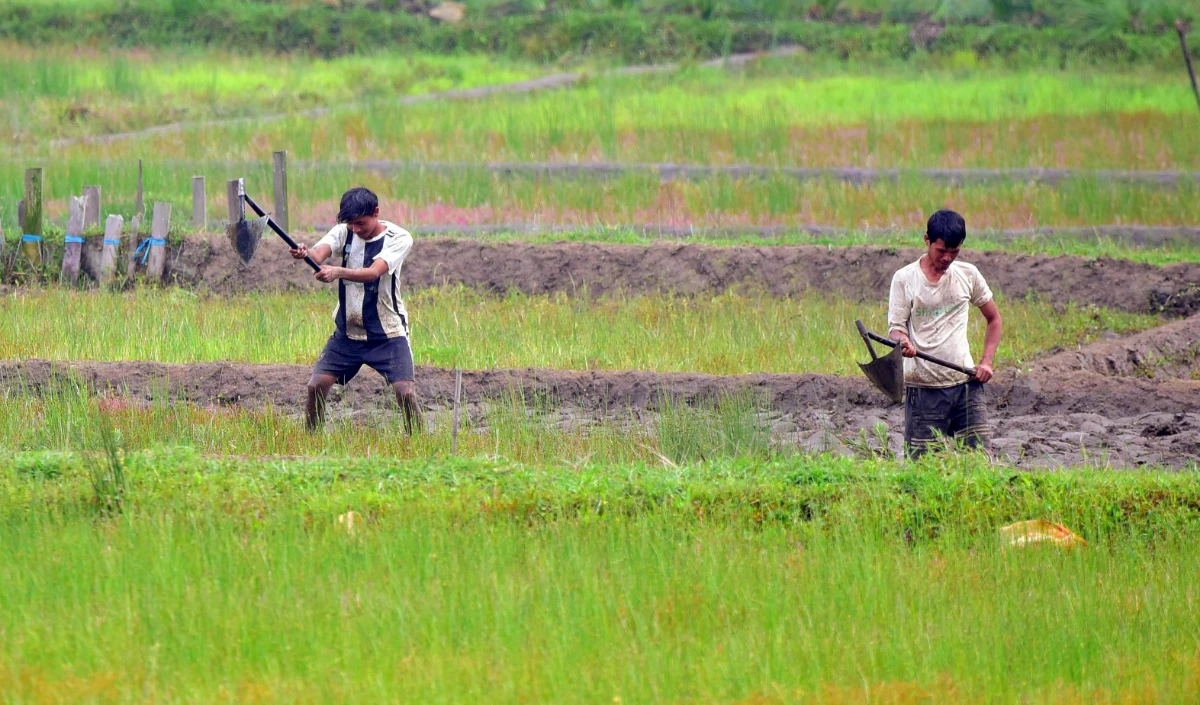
(933, 417)
(343, 357)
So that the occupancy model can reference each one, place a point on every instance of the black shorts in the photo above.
(936, 415)
(343, 357)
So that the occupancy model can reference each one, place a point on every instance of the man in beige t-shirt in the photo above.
(928, 310)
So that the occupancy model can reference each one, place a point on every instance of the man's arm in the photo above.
(898, 318)
(320, 253)
(991, 340)
(906, 345)
(362, 275)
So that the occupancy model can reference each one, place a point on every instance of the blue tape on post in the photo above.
(31, 238)
(74, 239)
(110, 241)
(146, 245)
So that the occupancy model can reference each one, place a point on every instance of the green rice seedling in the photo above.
(712, 334)
(492, 581)
(67, 92)
(896, 117)
(962, 497)
(107, 472)
(473, 195)
(731, 425)
(506, 427)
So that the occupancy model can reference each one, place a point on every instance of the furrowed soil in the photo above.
(1063, 412)
(858, 272)
(1121, 403)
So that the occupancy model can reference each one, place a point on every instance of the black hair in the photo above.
(356, 203)
(947, 226)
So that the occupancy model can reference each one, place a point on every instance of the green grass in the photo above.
(468, 196)
(810, 581)
(161, 551)
(956, 11)
(726, 334)
(781, 111)
(509, 428)
(59, 92)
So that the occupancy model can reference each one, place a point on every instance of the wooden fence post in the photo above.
(237, 206)
(112, 240)
(139, 205)
(281, 195)
(91, 207)
(199, 203)
(131, 263)
(73, 248)
(158, 240)
(31, 237)
(457, 412)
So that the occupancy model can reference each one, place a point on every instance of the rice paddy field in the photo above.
(665, 480)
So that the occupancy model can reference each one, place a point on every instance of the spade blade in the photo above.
(244, 236)
(887, 373)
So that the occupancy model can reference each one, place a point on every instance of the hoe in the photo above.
(887, 372)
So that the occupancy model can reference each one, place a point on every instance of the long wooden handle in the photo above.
(279, 231)
(928, 358)
(866, 336)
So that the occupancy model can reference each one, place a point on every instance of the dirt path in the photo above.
(858, 272)
(1043, 418)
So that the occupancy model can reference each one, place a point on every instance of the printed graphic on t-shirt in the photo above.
(935, 316)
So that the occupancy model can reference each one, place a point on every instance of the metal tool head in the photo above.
(887, 373)
(244, 236)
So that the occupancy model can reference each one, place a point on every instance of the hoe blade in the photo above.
(244, 236)
(887, 373)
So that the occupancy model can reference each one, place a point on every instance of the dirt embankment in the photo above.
(859, 272)
(1043, 418)
(1170, 351)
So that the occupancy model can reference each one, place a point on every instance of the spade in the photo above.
(887, 372)
(245, 234)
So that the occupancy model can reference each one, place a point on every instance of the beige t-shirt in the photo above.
(935, 318)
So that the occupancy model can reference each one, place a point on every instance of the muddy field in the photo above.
(1091, 406)
(1120, 402)
(859, 272)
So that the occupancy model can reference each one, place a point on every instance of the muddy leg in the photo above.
(318, 390)
(406, 397)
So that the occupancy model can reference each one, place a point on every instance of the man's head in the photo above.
(359, 210)
(944, 236)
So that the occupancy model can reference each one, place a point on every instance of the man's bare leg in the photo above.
(318, 391)
(406, 397)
